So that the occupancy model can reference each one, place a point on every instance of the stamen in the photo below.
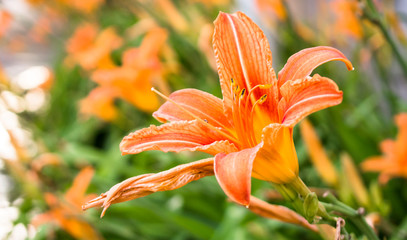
(260, 86)
(242, 120)
(261, 100)
(228, 136)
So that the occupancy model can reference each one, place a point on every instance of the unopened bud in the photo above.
(311, 206)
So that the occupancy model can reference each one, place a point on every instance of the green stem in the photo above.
(371, 13)
(354, 216)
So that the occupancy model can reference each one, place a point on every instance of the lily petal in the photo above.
(147, 184)
(176, 137)
(276, 160)
(304, 96)
(243, 53)
(199, 103)
(278, 212)
(305, 61)
(233, 172)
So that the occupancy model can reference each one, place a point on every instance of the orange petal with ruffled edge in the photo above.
(243, 53)
(304, 96)
(276, 160)
(305, 61)
(233, 172)
(175, 137)
(190, 103)
(146, 184)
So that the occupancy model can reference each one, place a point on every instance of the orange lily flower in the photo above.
(393, 163)
(250, 131)
(91, 49)
(66, 212)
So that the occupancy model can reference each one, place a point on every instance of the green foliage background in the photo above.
(200, 210)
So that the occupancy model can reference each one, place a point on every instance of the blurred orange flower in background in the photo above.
(85, 6)
(347, 21)
(141, 69)
(91, 49)
(319, 157)
(275, 7)
(393, 162)
(5, 21)
(66, 212)
(100, 103)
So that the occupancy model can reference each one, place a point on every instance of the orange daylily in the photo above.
(66, 212)
(250, 131)
(393, 163)
(91, 49)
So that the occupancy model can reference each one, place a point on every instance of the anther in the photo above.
(263, 99)
(242, 92)
(237, 88)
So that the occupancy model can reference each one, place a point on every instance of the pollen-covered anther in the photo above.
(263, 99)
(242, 92)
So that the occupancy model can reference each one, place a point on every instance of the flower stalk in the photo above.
(355, 216)
(298, 194)
(371, 13)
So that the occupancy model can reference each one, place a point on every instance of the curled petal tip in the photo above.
(349, 65)
(104, 210)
